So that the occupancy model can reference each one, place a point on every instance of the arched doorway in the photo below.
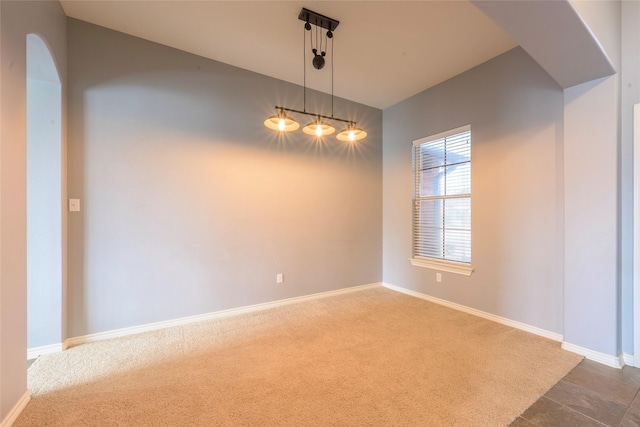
(44, 200)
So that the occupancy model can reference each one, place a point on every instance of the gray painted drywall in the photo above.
(555, 35)
(44, 212)
(591, 252)
(17, 20)
(189, 204)
(593, 200)
(516, 114)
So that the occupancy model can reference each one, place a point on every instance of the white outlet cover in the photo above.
(74, 205)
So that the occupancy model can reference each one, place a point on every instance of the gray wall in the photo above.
(516, 114)
(591, 258)
(593, 225)
(189, 204)
(17, 20)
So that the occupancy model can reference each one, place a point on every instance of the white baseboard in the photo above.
(596, 356)
(17, 409)
(606, 359)
(609, 360)
(116, 333)
(34, 352)
(503, 320)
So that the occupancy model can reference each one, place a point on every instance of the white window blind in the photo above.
(442, 196)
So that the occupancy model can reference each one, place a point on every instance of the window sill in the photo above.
(443, 265)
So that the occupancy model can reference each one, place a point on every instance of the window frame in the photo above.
(439, 264)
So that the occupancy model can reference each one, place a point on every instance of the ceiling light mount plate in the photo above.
(318, 20)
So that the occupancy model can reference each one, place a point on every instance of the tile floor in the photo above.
(590, 395)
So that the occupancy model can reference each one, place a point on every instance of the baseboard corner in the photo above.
(628, 359)
(606, 359)
(17, 409)
(34, 352)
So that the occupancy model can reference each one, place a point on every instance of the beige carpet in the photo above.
(368, 358)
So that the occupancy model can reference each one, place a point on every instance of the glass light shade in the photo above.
(318, 128)
(281, 122)
(351, 134)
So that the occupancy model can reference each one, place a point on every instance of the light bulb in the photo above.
(281, 123)
(318, 128)
(351, 134)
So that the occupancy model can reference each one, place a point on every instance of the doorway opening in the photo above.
(636, 235)
(44, 201)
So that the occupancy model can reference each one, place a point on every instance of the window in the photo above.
(442, 201)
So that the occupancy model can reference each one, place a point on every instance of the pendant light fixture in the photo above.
(351, 134)
(318, 128)
(281, 122)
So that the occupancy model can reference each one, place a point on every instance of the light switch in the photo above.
(74, 205)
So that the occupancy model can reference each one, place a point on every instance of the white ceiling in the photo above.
(385, 51)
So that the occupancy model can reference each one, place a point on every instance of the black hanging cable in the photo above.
(331, 76)
(313, 47)
(304, 66)
(311, 39)
(318, 46)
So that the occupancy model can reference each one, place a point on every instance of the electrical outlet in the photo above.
(74, 205)
(438, 277)
(279, 278)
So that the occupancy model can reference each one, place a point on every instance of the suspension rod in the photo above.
(316, 115)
